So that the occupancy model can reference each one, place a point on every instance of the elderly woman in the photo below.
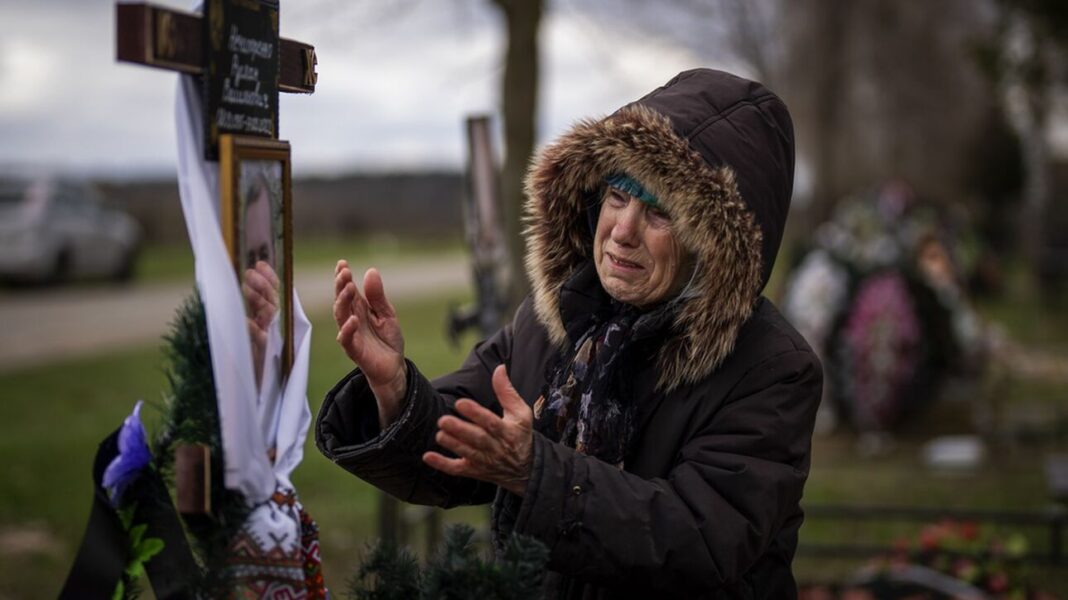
(647, 414)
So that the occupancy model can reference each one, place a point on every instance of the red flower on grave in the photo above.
(931, 538)
(969, 530)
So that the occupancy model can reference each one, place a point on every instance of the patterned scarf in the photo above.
(583, 407)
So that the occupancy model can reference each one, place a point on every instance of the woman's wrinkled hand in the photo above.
(369, 333)
(499, 450)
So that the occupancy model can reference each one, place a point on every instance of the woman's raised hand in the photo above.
(370, 335)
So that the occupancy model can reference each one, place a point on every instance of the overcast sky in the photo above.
(396, 80)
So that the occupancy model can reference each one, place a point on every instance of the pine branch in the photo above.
(456, 572)
(388, 573)
(192, 416)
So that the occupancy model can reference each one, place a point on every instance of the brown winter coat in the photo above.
(708, 502)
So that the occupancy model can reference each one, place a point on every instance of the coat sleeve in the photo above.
(347, 430)
(733, 485)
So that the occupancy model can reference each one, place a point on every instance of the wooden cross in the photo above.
(170, 39)
(179, 41)
(244, 63)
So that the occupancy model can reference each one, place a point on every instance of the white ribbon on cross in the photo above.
(250, 424)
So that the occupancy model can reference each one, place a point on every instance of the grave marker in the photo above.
(236, 49)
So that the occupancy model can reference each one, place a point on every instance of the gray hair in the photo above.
(689, 291)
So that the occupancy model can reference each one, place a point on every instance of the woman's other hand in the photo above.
(499, 450)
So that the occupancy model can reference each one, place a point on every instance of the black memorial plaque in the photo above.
(241, 83)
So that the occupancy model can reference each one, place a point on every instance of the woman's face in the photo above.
(637, 257)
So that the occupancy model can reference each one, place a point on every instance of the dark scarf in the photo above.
(585, 405)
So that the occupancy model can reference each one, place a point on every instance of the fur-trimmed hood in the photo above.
(718, 152)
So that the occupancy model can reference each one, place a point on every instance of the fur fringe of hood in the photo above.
(709, 217)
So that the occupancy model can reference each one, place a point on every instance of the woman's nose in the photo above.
(628, 224)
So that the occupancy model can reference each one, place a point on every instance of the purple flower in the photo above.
(132, 457)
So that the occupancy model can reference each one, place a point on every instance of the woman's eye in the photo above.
(659, 217)
(616, 199)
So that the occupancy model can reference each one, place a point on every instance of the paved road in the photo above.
(41, 326)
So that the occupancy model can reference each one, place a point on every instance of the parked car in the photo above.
(56, 230)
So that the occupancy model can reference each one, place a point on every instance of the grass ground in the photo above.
(1012, 481)
(52, 417)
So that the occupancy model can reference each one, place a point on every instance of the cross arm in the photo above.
(171, 39)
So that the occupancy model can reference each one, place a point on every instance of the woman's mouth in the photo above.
(623, 263)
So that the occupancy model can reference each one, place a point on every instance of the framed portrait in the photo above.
(257, 222)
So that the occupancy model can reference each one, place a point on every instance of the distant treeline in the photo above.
(399, 203)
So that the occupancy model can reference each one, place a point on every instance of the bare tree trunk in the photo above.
(520, 100)
(1031, 120)
(1036, 180)
(829, 88)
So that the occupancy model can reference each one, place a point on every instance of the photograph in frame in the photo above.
(255, 190)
